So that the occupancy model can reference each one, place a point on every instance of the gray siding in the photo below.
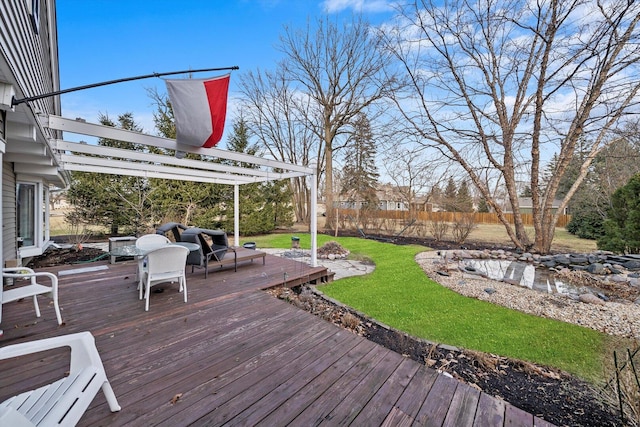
(31, 55)
(9, 232)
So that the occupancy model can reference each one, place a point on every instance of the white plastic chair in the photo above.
(63, 402)
(151, 241)
(165, 264)
(148, 242)
(33, 289)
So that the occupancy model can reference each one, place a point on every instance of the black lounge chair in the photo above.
(174, 228)
(212, 253)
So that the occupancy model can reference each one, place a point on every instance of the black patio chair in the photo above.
(174, 228)
(208, 253)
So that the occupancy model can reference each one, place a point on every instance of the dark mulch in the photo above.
(64, 256)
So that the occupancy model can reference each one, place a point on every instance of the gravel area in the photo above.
(613, 318)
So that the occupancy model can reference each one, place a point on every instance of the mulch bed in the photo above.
(64, 256)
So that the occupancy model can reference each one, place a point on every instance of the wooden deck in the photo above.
(235, 355)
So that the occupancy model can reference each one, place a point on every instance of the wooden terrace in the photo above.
(235, 355)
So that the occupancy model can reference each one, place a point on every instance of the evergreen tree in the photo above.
(263, 206)
(483, 206)
(437, 196)
(611, 169)
(464, 201)
(360, 171)
(622, 227)
(113, 201)
(450, 196)
(526, 192)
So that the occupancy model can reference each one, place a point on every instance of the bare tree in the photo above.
(278, 116)
(339, 69)
(413, 173)
(495, 84)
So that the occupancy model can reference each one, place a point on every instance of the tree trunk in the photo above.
(328, 191)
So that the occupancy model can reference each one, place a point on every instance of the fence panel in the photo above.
(478, 217)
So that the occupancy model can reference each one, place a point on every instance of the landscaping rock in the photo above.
(618, 278)
(596, 268)
(615, 269)
(632, 265)
(562, 259)
(578, 259)
(590, 299)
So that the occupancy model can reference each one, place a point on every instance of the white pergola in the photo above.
(75, 156)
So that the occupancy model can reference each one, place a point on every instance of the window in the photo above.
(32, 216)
(27, 213)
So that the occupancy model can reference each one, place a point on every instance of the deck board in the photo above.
(435, 408)
(463, 407)
(383, 401)
(338, 391)
(234, 354)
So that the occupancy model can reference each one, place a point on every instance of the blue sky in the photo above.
(101, 40)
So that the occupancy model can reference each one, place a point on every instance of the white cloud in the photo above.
(336, 6)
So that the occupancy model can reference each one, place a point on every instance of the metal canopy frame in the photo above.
(75, 156)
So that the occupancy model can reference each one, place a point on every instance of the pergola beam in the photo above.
(169, 171)
(99, 150)
(109, 132)
(142, 173)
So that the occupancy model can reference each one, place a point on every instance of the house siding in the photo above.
(9, 233)
(31, 55)
(28, 62)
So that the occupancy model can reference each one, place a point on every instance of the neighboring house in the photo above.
(390, 198)
(526, 206)
(393, 198)
(28, 66)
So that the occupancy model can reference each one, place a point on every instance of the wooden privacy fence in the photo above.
(478, 217)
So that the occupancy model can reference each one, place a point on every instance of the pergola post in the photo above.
(236, 215)
(313, 221)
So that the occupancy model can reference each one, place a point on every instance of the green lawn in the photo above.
(399, 294)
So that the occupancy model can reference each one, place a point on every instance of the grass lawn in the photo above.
(399, 294)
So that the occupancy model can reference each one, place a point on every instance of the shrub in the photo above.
(586, 224)
(463, 226)
(587, 216)
(438, 229)
(622, 226)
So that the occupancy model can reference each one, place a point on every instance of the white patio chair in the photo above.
(151, 241)
(166, 264)
(63, 402)
(148, 242)
(33, 289)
